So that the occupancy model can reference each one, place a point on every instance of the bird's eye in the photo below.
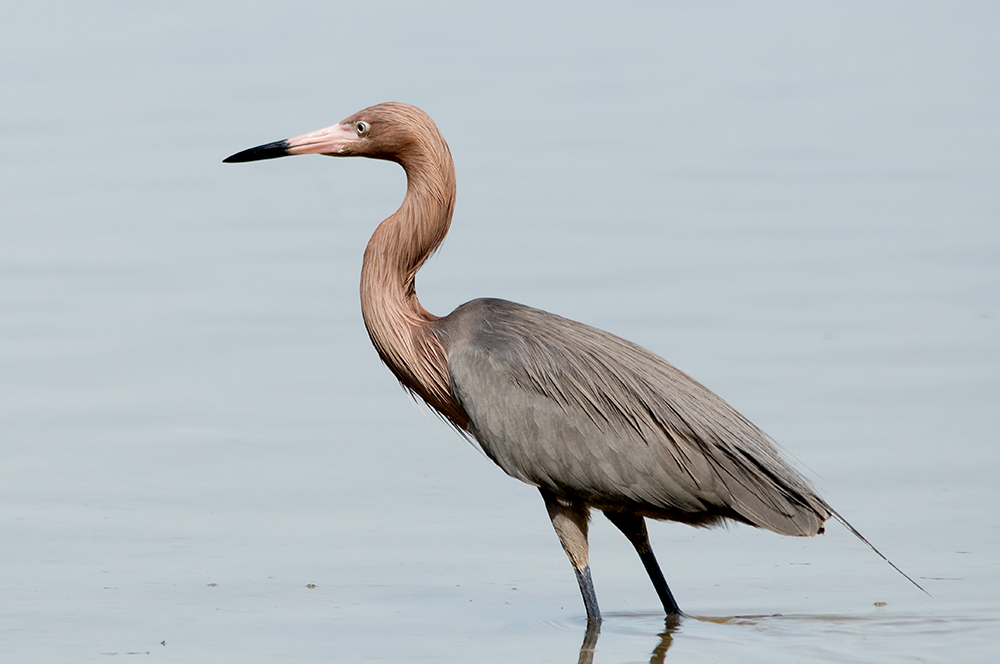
(362, 127)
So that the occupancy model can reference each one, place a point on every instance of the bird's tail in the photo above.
(871, 546)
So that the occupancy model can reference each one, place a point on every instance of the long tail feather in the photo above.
(871, 546)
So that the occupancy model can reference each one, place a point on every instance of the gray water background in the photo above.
(797, 204)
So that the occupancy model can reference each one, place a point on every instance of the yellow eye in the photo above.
(362, 127)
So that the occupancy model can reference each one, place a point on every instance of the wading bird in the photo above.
(592, 420)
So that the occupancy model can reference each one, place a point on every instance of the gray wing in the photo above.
(595, 418)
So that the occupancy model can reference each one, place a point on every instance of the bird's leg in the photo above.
(634, 528)
(570, 521)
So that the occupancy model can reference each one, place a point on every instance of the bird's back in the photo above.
(597, 419)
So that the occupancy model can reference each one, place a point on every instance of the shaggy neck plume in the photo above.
(397, 324)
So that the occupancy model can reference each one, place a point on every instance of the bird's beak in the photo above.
(333, 140)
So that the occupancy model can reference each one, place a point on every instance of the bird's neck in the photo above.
(398, 325)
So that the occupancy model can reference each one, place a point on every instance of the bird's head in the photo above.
(391, 131)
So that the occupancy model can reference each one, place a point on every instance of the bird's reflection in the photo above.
(589, 643)
(670, 625)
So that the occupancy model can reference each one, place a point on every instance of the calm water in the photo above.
(201, 458)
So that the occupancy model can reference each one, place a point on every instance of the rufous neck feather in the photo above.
(397, 324)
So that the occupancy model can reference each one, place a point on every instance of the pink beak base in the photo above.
(331, 141)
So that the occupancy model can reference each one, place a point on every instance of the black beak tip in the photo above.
(269, 151)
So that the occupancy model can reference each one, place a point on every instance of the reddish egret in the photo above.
(592, 420)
